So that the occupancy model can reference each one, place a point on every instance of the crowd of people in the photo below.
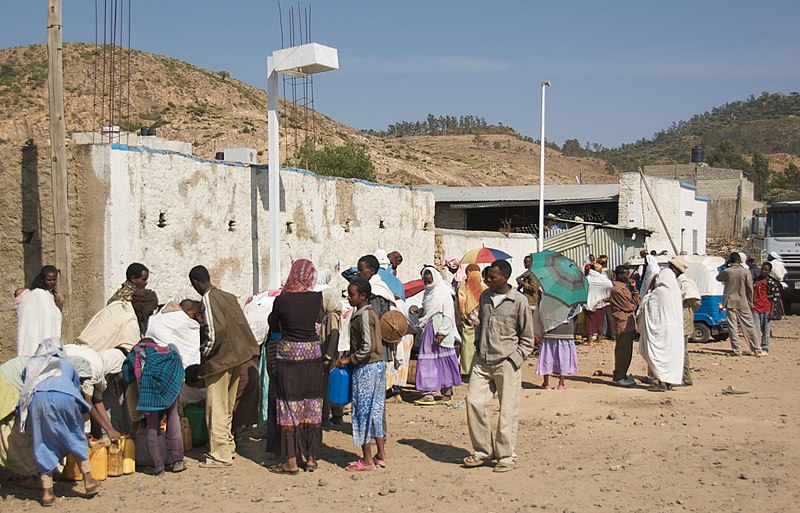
(139, 362)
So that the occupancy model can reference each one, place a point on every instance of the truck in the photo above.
(781, 234)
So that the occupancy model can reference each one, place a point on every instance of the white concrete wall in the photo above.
(333, 221)
(636, 208)
(458, 242)
(693, 218)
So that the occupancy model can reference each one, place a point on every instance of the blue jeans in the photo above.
(761, 320)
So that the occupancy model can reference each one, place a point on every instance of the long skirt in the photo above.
(467, 349)
(299, 398)
(397, 374)
(595, 321)
(557, 356)
(56, 427)
(369, 402)
(437, 366)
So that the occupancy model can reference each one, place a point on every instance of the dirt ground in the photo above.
(594, 447)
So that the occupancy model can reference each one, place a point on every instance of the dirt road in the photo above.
(594, 447)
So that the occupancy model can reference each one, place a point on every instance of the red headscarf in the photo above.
(302, 276)
(396, 259)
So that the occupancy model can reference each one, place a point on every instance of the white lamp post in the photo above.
(545, 84)
(297, 61)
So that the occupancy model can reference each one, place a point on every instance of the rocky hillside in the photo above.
(214, 111)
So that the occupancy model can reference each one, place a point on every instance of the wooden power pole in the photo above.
(55, 86)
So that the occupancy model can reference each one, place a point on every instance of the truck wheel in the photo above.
(702, 333)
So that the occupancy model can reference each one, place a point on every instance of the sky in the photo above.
(620, 70)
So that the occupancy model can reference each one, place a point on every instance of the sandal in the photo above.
(212, 463)
(475, 461)
(278, 469)
(545, 387)
(311, 468)
(379, 462)
(359, 466)
(426, 400)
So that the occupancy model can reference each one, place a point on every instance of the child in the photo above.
(369, 377)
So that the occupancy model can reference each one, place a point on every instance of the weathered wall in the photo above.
(26, 230)
(636, 208)
(729, 209)
(330, 221)
(458, 242)
(693, 214)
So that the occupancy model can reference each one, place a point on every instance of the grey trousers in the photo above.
(484, 381)
(741, 323)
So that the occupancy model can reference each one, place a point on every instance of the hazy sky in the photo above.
(620, 70)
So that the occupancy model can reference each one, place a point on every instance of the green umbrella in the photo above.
(563, 285)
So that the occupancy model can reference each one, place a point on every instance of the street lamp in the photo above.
(296, 61)
(545, 84)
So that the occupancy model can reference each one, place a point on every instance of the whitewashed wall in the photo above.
(458, 242)
(330, 221)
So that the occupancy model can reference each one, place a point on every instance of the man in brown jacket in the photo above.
(738, 304)
(623, 302)
(230, 344)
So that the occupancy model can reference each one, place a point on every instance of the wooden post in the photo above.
(55, 87)
(658, 212)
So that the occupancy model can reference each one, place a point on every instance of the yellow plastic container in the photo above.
(128, 455)
(98, 457)
(72, 471)
(115, 459)
(186, 432)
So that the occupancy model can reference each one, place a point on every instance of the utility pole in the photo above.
(55, 88)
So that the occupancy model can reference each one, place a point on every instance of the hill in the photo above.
(214, 111)
(768, 124)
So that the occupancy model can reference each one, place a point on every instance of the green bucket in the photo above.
(197, 423)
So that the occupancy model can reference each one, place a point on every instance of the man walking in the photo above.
(766, 294)
(230, 344)
(623, 302)
(504, 339)
(738, 304)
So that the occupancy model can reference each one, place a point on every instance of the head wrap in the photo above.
(302, 276)
(469, 293)
(383, 258)
(473, 267)
(452, 261)
(395, 258)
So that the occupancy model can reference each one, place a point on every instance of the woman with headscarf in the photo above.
(299, 369)
(38, 311)
(649, 273)
(51, 410)
(395, 258)
(599, 291)
(469, 296)
(661, 331)
(437, 362)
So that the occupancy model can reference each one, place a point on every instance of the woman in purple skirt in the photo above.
(557, 355)
(437, 362)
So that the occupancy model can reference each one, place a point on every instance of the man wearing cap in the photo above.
(739, 304)
(690, 295)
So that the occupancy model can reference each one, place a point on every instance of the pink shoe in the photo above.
(545, 387)
(561, 387)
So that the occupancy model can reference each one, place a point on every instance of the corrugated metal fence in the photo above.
(577, 242)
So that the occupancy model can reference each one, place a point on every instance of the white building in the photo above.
(683, 210)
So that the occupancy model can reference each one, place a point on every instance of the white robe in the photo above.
(438, 299)
(38, 318)
(113, 326)
(660, 320)
(649, 274)
(179, 329)
(599, 290)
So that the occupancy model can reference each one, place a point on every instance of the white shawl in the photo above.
(38, 318)
(661, 326)
(599, 290)
(438, 298)
(379, 288)
(649, 274)
(181, 330)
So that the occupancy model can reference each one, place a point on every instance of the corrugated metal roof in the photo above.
(525, 193)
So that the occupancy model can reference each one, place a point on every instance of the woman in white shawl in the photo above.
(599, 291)
(437, 362)
(38, 312)
(661, 327)
(651, 269)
